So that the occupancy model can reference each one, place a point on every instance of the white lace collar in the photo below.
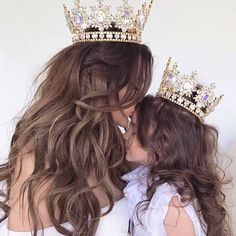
(137, 174)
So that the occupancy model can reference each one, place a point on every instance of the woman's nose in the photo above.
(132, 110)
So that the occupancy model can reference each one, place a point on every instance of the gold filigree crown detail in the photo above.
(186, 91)
(101, 25)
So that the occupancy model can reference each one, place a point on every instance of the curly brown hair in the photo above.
(184, 154)
(69, 128)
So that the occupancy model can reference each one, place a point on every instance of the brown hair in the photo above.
(69, 129)
(183, 151)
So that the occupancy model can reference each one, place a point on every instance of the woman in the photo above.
(67, 152)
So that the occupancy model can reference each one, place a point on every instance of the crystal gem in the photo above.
(199, 105)
(94, 36)
(198, 111)
(141, 21)
(82, 36)
(109, 36)
(187, 85)
(171, 78)
(205, 97)
(123, 36)
(186, 103)
(101, 16)
(79, 19)
(166, 83)
(84, 25)
(126, 16)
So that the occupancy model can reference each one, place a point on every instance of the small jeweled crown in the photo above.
(187, 92)
(101, 25)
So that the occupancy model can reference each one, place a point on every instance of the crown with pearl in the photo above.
(186, 91)
(101, 25)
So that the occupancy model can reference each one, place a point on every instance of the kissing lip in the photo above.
(127, 147)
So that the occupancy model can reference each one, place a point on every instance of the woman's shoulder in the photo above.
(18, 220)
(49, 231)
(117, 219)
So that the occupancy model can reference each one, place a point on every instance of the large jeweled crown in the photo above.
(101, 25)
(186, 91)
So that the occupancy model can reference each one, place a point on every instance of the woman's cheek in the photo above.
(120, 119)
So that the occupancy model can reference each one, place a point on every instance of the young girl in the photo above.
(177, 190)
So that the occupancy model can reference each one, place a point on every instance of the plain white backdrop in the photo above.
(199, 35)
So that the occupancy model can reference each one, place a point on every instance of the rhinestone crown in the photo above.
(186, 91)
(101, 25)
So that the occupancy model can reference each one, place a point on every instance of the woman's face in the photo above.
(121, 117)
(134, 151)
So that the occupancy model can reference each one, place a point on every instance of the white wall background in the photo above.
(199, 35)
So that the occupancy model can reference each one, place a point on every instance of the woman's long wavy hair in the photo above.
(69, 129)
(183, 151)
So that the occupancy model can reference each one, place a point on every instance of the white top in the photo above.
(117, 221)
(152, 219)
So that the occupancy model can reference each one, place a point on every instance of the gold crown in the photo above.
(101, 25)
(187, 92)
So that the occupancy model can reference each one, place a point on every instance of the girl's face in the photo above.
(121, 117)
(134, 150)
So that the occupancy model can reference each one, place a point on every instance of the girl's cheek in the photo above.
(141, 156)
